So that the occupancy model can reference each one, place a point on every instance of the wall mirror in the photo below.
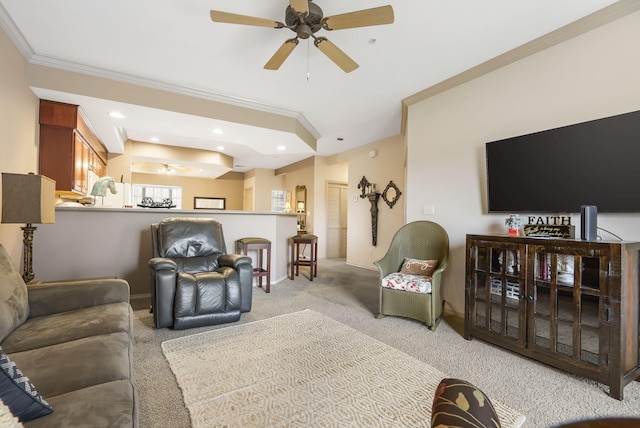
(301, 206)
(391, 194)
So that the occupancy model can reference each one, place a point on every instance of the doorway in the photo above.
(337, 205)
(247, 200)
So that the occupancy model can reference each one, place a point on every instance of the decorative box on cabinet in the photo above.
(567, 303)
(68, 147)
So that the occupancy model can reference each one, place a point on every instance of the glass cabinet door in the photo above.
(565, 306)
(496, 279)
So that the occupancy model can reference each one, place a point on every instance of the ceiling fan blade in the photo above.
(300, 6)
(281, 54)
(334, 53)
(232, 18)
(362, 18)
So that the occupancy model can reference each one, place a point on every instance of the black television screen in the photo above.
(559, 170)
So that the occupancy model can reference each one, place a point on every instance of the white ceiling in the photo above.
(174, 45)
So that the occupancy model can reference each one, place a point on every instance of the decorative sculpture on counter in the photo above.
(396, 196)
(150, 203)
(100, 187)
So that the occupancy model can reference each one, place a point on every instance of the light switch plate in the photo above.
(428, 210)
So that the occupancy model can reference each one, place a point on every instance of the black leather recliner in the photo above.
(194, 282)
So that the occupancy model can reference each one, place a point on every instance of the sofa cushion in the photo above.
(78, 364)
(458, 403)
(67, 326)
(14, 301)
(110, 404)
(18, 393)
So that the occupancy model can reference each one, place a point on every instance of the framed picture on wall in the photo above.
(204, 203)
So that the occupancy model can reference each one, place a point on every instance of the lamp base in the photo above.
(27, 254)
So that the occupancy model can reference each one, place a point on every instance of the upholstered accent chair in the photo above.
(411, 273)
(194, 282)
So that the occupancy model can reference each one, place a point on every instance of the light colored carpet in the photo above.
(348, 294)
(303, 369)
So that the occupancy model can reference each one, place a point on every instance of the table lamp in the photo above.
(29, 199)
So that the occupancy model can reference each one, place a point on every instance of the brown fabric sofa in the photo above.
(74, 341)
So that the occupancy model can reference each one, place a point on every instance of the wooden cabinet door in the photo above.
(82, 160)
(569, 316)
(56, 156)
(495, 290)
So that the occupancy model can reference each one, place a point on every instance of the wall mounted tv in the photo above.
(559, 170)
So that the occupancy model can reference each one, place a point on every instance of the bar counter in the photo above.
(91, 242)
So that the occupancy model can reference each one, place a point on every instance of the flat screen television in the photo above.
(559, 170)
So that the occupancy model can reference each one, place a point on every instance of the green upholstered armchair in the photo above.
(423, 240)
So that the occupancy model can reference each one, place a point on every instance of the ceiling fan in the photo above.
(305, 18)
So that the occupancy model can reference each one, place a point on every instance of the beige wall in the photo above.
(592, 76)
(19, 125)
(301, 173)
(387, 165)
(263, 181)
(228, 186)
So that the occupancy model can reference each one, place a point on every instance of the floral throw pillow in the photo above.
(418, 267)
(458, 403)
(18, 393)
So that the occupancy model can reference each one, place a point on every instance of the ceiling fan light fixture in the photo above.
(166, 169)
(304, 31)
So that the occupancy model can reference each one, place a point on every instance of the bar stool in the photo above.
(245, 245)
(297, 260)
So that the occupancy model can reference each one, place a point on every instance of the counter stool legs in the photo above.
(297, 260)
(259, 244)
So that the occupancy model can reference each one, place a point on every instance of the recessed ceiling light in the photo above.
(218, 131)
(117, 115)
(281, 148)
(221, 148)
(154, 139)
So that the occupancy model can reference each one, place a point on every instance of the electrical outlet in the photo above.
(428, 210)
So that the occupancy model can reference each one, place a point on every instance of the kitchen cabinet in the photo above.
(69, 149)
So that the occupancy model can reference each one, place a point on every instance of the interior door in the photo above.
(247, 202)
(337, 203)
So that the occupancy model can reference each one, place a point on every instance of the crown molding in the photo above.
(64, 65)
(590, 22)
(20, 42)
(14, 34)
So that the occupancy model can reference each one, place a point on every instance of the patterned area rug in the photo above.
(303, 369)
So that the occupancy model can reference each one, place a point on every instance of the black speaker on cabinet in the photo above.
(589, 222)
